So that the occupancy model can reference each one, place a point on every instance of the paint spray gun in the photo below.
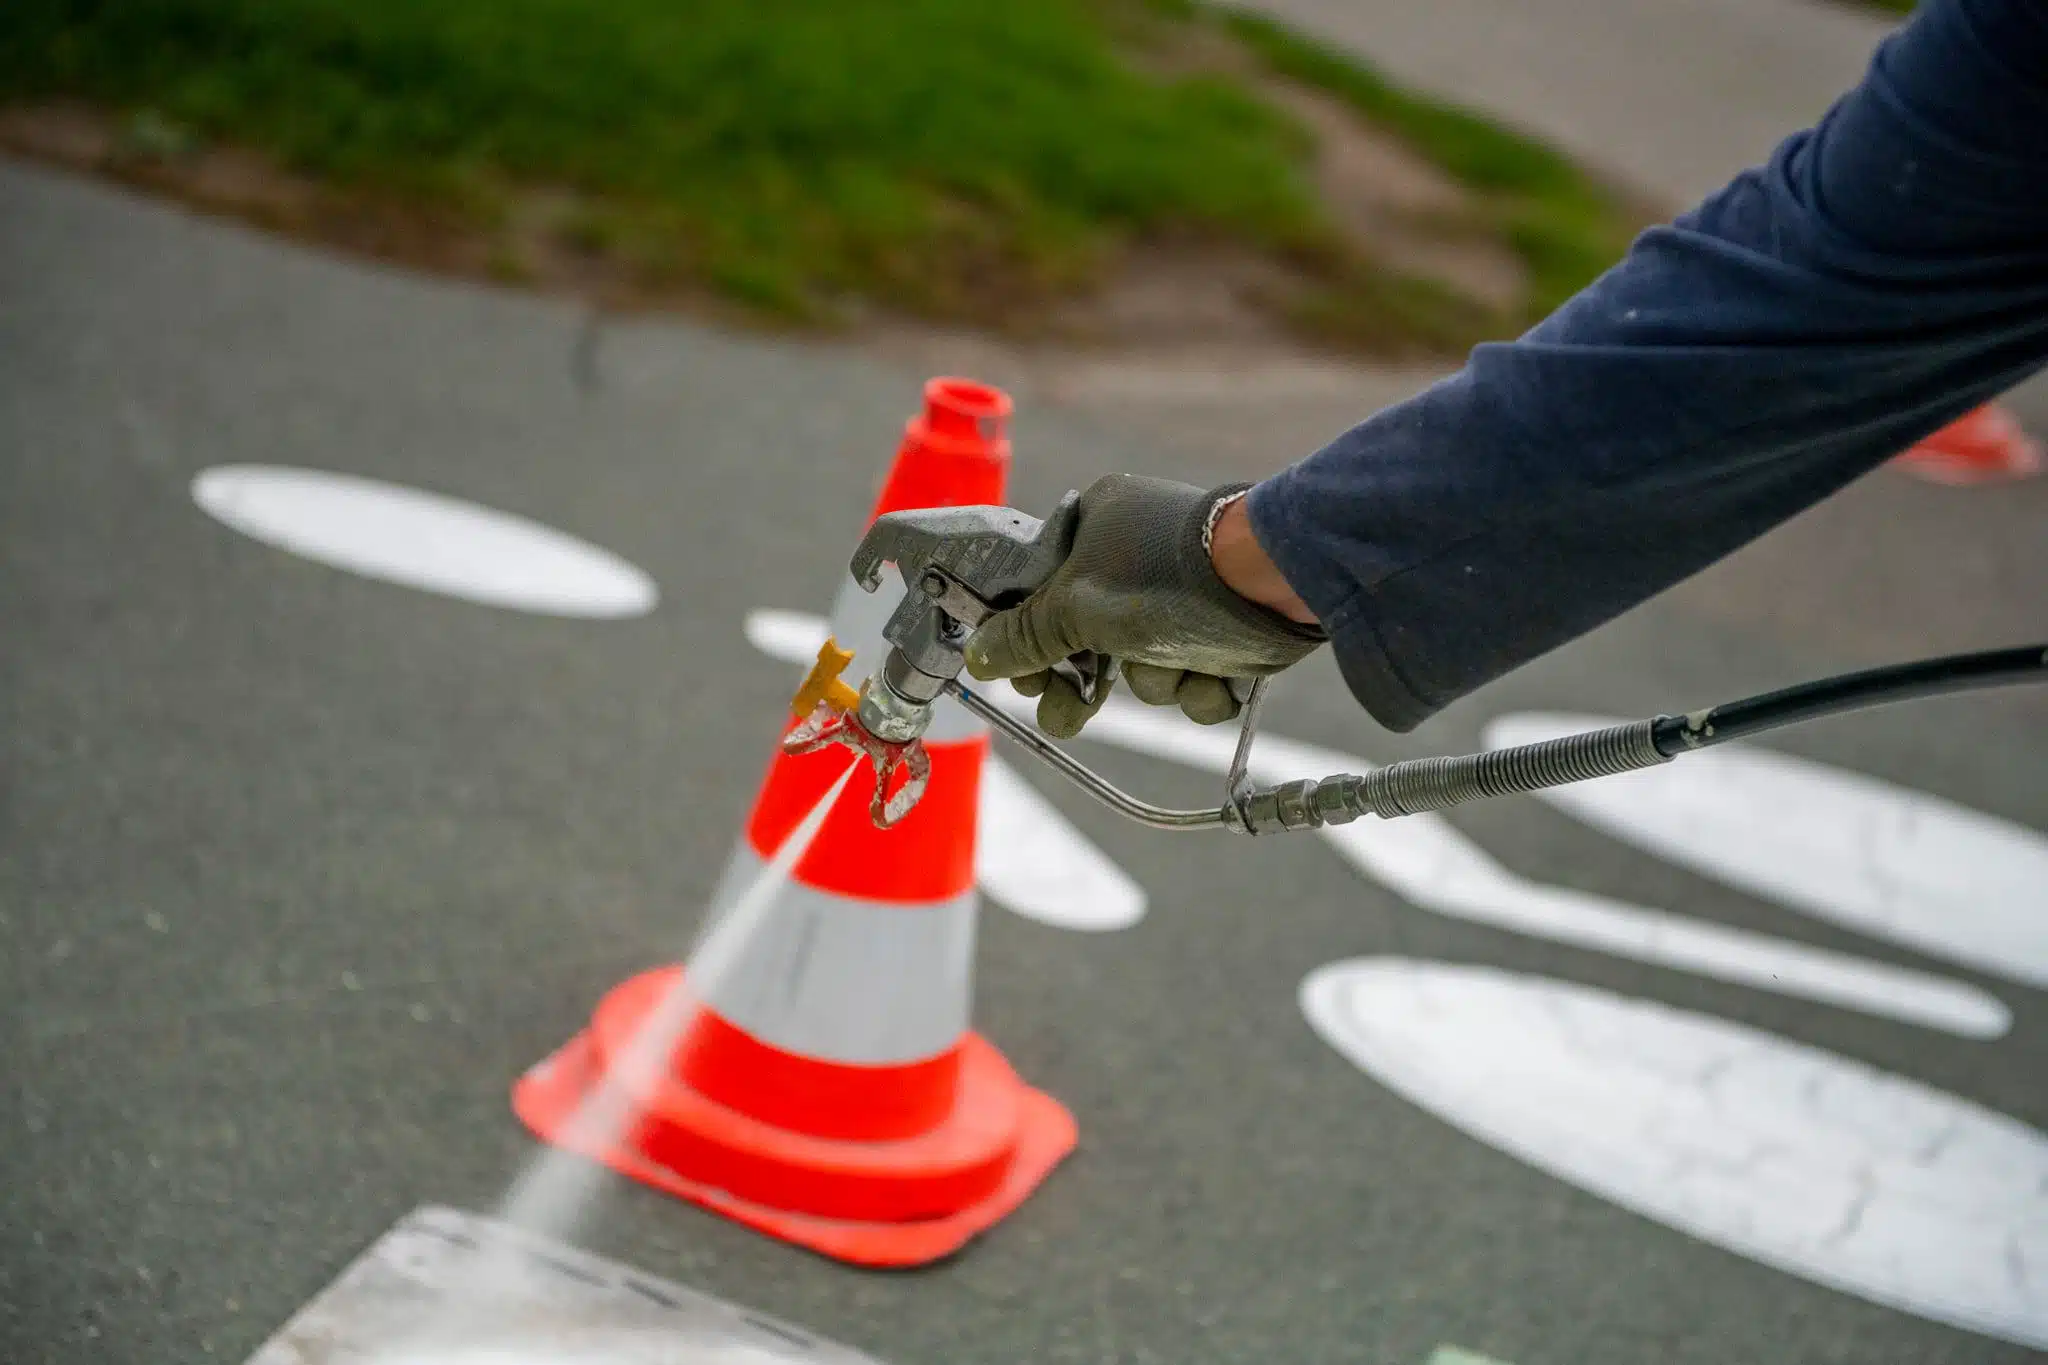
(961, 565)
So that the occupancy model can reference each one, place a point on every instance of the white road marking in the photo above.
(1029, 858)
(424, 540)
(449, 1288)
(791, 636)
(1820, 1166)
(1896, 864)
(1426, 860)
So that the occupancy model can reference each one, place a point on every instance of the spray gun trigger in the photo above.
(1091, 674)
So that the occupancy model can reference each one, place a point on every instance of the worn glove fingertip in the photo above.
(984, 664)
(1058, 720)
(1206, 700)
(1152, 684)
(1061, 712)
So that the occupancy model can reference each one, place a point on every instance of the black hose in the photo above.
(1675, 735)
(1426, 784)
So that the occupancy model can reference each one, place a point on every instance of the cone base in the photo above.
(547, 1097)
(1985, 446)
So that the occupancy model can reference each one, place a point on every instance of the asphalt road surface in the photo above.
(298, 870)
(1675, 96)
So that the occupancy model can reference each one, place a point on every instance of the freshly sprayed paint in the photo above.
(449, 1288)
(1820, 1166)
(839, 979)
(1029, 858)
(1898, 865)
(558, 1186)
(424, 540)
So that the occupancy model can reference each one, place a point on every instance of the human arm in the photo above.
(1886, 271)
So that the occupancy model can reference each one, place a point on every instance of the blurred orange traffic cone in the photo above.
(823, 1085)
(1984, 446)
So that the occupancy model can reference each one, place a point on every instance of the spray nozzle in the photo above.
(830, 711)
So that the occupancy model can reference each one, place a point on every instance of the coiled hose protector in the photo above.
(1426, 784)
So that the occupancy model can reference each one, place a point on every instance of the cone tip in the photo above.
(966, 408)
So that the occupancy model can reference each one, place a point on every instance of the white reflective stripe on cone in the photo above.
(846, 980)
(857, 621)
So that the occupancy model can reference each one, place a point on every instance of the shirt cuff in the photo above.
(1341, 606)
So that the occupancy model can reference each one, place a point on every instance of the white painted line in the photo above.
(1028, 857)
(1039, 866)
(1426, 860)
(1819, 1166)
(449, 1288)
(1895, 864)
(1452, 1355)
(791, 636)
(423, 540)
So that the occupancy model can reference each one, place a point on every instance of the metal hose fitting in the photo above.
(1426, 784)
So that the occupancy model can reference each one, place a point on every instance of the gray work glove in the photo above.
(1139, 587)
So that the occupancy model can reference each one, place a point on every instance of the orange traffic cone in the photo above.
(824, 1087)
(1983, 446)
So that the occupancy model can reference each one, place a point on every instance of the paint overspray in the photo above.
(484, 1320)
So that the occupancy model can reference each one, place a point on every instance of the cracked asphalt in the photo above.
(299, 870)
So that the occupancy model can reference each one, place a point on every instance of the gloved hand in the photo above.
(1139, 586)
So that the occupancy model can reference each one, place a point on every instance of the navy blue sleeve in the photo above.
(1886, 272)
